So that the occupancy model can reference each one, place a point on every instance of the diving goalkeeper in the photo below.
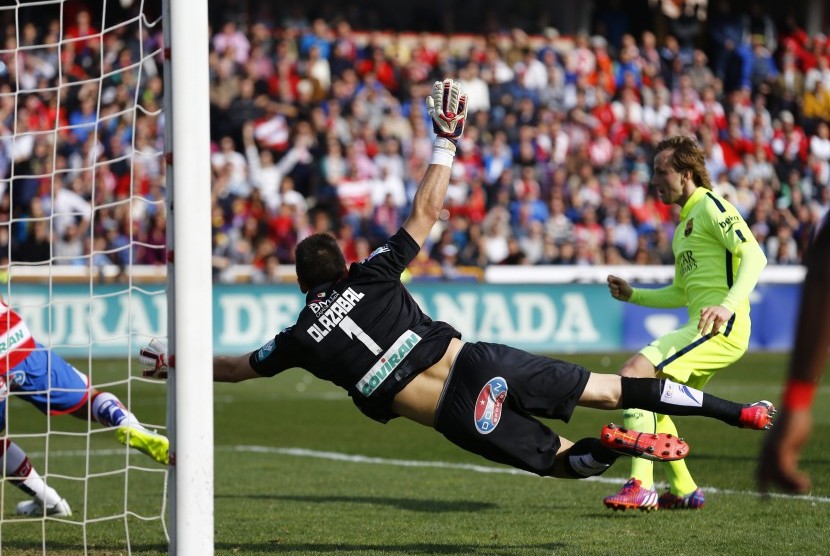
(363, 331)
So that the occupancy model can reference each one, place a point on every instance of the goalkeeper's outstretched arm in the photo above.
(226, 368)
(233, 368)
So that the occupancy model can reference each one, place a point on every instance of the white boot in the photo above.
(35, 508)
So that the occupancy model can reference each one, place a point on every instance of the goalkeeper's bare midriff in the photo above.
(419, 399)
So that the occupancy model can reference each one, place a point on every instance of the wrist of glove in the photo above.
(447, 106)
(155, 358)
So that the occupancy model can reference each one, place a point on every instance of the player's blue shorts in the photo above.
(47, 381)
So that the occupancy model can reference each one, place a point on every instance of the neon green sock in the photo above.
(680, 480)
(642, 421)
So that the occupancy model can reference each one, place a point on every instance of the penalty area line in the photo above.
(355, 458)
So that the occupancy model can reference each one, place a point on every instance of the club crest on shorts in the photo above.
(489, 403)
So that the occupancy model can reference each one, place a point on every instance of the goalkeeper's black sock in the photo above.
(670, 398)
(588, 457)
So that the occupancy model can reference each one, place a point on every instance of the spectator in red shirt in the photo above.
(735, 146)
(651, 214)
(789, 141)
(82, 28)
(381, 67)
(589, 231)
(602, 110)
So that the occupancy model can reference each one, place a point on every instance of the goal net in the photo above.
(83, 260)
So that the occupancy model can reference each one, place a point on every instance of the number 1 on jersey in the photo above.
(352, 330)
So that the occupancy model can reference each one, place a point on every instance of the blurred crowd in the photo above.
(81, 138)
(317, 127)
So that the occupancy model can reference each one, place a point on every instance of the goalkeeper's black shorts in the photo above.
(491, 396)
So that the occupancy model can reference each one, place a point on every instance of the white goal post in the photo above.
(86, 89)
(77, 140)
(190, 321)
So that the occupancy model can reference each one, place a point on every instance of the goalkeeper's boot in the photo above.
(632, 496)
(35, 508)
(691, 501)
(757, 416)
(658, 446)
(148, 442)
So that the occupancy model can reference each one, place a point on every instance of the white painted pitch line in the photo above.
(352, 458)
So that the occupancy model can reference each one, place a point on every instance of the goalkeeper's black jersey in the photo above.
(364, 332)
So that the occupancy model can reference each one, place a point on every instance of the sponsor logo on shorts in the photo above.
(489, 404)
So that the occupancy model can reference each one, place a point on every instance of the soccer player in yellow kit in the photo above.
(717, 264)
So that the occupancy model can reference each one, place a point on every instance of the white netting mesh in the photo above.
(81, 213)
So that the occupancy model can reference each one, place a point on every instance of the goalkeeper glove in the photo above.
(154, 356)
(447, 106)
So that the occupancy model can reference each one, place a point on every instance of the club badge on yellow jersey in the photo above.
(689, 227)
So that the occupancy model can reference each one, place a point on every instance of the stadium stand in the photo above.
(319, 126)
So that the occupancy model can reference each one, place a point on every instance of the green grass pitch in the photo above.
(300, 471)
